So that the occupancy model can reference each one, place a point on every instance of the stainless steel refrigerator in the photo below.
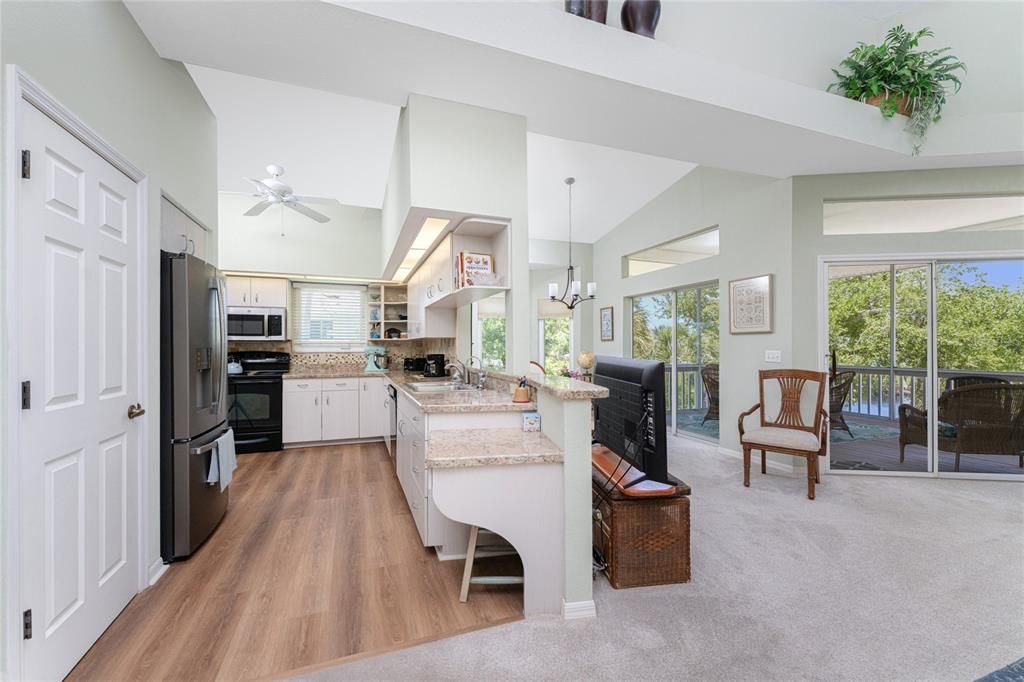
(193, 396)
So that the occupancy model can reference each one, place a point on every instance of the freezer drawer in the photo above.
(194, 506)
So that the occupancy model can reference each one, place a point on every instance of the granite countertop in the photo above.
(563, 388)
(455, 402)
(487, 447)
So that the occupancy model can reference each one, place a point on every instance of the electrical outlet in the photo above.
(773, 356)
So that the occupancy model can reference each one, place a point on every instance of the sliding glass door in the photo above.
(927, 367)
(680, 328)
(653, 336)
(697, 361)
(979, 311)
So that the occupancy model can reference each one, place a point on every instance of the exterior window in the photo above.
(328, 317)
(488, 332)
(697, 246)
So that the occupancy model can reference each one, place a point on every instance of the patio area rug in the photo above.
(690, 422)
(1011, 673)
(864, 431)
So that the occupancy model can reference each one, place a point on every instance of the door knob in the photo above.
(136, 410)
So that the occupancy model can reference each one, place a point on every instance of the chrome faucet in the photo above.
(481, 375)
(460, 369)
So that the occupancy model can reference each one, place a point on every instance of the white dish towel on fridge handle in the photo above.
(222, 460)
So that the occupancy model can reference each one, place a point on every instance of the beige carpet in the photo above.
(877, 579)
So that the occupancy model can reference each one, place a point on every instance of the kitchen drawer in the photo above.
(417, 463)
(418, 505)
(341, 384)
(301, 385)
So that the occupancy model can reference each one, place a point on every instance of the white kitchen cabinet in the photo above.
(301, 418)
(269, 293)
(340, 415)
(180, 233)
(263, 292)
(373, 414)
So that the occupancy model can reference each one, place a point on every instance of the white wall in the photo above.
(471, 160)
(810, 243)
(753, 215)
(801, 41)
(95, 60)
(347, 246)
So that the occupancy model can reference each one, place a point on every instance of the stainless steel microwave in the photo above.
(256, 324)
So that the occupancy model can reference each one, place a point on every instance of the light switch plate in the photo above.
(773, 356)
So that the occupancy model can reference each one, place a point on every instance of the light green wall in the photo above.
(470, 160)
(753, 216)
(809, 242)
(94, 59)
(343, 247)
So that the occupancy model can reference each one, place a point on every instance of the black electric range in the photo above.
(254, 400)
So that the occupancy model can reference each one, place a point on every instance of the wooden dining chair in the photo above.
(788, 433)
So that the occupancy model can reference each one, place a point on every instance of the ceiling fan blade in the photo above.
(312, 200)
(306, 211)
(259, 208)
(261, 188)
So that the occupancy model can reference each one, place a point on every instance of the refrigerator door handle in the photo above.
(221, 346)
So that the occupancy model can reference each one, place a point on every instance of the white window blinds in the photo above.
(328, 316)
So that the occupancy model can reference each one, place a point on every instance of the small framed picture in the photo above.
(608, 324)
(750, 305)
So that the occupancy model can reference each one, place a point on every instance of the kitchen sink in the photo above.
(435, 387)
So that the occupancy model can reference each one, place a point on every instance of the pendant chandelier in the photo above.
(571, 295)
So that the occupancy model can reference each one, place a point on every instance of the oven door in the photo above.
(247, 324)
(254, 412)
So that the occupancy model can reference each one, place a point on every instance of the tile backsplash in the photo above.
(398, 351)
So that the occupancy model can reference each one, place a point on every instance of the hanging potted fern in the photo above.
(900, 79)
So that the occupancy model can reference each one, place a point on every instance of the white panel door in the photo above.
(341, 414)
(78, 333)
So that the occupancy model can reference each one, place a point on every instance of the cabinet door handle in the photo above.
(327, 399)
(415, 419)
(430, 291)
(401, 423)
(316, 400)
(439, 281)
(416, 470)
(257, 298)
(302, 385)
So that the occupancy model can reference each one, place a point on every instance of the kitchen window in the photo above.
(488, 331)
(328, 317)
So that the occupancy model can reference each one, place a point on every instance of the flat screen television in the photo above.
(631, 420)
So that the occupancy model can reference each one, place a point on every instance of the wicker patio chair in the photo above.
(977, 419)
(709, 375)
(972, 380)
(787, 433)
(839, 391)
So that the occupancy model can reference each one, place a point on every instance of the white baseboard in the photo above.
(156, 571)
(573, 610)
(755, 459)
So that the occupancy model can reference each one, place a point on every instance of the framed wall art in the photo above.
(750, 305)
(608, 324)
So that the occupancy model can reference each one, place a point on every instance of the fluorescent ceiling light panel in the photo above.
(412, 258)
(429, 231)
(402, 273)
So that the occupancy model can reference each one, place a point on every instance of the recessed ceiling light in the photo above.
(412, 258)
(429, 231)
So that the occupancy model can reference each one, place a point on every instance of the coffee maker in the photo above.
(434, 366)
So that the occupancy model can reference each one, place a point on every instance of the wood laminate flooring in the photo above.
(317, 559)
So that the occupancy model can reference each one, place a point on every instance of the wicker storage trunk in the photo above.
(645, 541)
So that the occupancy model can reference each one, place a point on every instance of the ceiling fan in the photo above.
(272, 191)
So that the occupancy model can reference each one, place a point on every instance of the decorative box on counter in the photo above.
(531, 421)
